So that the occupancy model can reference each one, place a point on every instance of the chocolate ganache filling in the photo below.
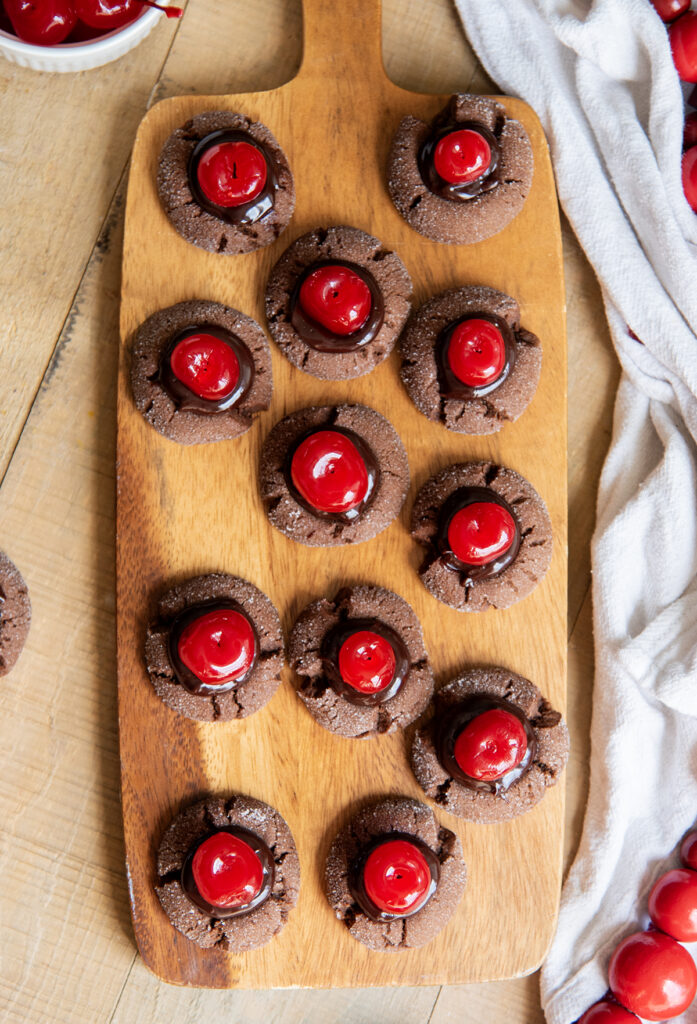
(262, 851)
(372, 468)
(331, 645)
(187, 399)
(470, 574)
(450, 723)
(464, 190)
(245, 213)
(324, 340)
(450, 385)
(357, 886)
(184, 675)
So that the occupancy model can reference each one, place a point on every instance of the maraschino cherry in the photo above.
(481, 532)
(653, 975)
(689, 132)
(226, 871)
(336, 298)
(329, 472)
(397, 878)
(491, 744)
(688, 851)
(476, 352)
(108, 15)
(669, 10)
(43, 24)
(219, 646)
(673, 904)
(689, 176)
(462, 156)
(206, 365)
(231, 173)
(608, 1013)
(367, 661)
(683, 42)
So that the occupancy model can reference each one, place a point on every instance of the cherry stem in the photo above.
(171, 12)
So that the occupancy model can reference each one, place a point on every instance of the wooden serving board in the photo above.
(183, 511)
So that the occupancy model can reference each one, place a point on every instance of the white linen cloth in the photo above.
(601, 79)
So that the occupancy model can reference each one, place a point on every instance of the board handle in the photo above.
(342, 39)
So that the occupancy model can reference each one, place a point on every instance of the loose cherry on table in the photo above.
(669, 10)
(337, 298)
(232, 173)
(44, 24)
(608, 1013)
(481, 532)
(689, 176)
(206, 365)
(396, 877)
(226, 871)
(367, 661)
(688, 851)
(219, 646)
(653, 975)
(476, 352)
(683, 42)
(491, 745)
(673, 904)
(462, 156)
(329, 472)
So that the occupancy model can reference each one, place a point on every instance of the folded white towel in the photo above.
(601, 78)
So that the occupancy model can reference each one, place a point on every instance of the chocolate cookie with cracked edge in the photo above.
(201, 227)
(348, 245)
(15, 614)
(232, 934)
(453, 221)
(550, 757)
(420, 373)
(326, 706)
(297, 522)
(535, 530)
(160, 409)
(395, 814)
(265, 677)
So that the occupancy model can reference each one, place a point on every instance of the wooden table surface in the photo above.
(67, 947)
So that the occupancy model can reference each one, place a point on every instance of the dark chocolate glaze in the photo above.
(323, 340)
(451, 386)
(470, 574)
(329, 653)
(246, 213)
(450, 723)
(183, 675)
(355, 878)
(267, 865)
(183, 396)
(371, 465)
(462, 191)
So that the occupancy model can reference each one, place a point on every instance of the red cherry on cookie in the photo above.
(689, 176)
(490, 745)
(231, 173)
(461, 156)
(673, 904)
(218, 647)
(608, 1013)
(683, 42)
(367, 661)
(668, 10)
(481, 532)
(688, 851)
(329, 472)
(227, 872)
(476, 352)
(43, 24)
(653, 975)
(206, 365)
(337, 298)
(396, 877)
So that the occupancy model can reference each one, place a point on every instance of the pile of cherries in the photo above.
(651, 975)
(682, 32)
(49, 22)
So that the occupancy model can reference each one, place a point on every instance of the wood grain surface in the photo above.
(182, 511)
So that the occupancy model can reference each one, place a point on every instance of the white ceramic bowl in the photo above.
(79, 56)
